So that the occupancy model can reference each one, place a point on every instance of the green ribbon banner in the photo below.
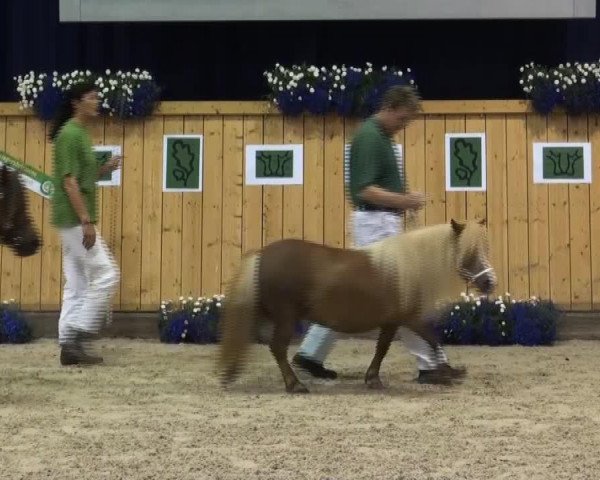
(32, 178)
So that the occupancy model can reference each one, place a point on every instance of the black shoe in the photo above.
(316, 369)
(73, 355)
(434, 377)
(455, 373)
(73, 352)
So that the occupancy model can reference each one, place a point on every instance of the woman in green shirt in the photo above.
(91, 273)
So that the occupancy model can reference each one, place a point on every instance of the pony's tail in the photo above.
(238, 319)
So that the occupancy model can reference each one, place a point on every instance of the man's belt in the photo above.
(377, 208)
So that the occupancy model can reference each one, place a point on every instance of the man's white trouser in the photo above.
(369, 227)
(91, 278)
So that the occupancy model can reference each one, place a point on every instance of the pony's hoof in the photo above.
(375, 384)
(297, 388)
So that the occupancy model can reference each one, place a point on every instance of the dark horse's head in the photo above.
(16, 227)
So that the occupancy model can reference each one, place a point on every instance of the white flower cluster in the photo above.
(196, 306)
(9, 302)
(30, 85)
(289, 79)
(562, 77)
(119, 82)
(474, 302)
(189, 303)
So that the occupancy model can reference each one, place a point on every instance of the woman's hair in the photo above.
(65, 110)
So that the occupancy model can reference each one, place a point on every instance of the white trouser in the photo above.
(91, 280)
(370, 227)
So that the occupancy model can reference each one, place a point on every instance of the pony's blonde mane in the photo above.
(424, 261)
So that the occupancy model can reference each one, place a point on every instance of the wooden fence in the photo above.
(545, 239)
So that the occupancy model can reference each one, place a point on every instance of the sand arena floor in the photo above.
(155, 411)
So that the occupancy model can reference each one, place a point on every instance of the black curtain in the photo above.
(225, 61)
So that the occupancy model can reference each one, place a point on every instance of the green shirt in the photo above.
(73, 155)
(372, 161)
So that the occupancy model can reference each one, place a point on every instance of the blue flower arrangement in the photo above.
(189, 320)
(13, 326)
(123, 94)
(483, 321)
(347, 91)
(196, 320)
(573, 86)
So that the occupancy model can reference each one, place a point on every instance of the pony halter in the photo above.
(483, 272)
(472, 277)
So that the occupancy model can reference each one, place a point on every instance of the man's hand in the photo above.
(414, 201)
(114, 163)
(89, 235)
(401, 201)
(111, 165)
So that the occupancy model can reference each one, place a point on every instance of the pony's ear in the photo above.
(457, 227)
(483, 222)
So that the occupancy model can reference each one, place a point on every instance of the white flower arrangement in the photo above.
(115, 90)
(290, 87)
(576, 85)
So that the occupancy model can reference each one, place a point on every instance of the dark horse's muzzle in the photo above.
(17, 231)
(23, 244)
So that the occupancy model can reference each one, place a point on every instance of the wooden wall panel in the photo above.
(273, 194)
(112, 202)
(435, 180)
(132, 179)
(594, 138)
(293, 195)
(544, 239)
(456, 202)
(51, 268)
(539, 272)
(497, 215)
(152, 213)
(212, 205)
(414, 160)
(10, 288)
(171, 226)
(333, 182)
(516, 205)
(579, 222)
(31, 266)
(233, 192)
(252, 215)
(313, 179)
(558, 224)
(191, 227)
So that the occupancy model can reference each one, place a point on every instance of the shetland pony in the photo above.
(385, 285)
(16, 226)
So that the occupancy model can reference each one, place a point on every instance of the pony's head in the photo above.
(16, 227)
(472, 257)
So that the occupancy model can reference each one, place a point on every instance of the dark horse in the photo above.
(392, 283)
(17, 230)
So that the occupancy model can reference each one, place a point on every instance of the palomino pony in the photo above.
(16, 226)
(385, 285)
